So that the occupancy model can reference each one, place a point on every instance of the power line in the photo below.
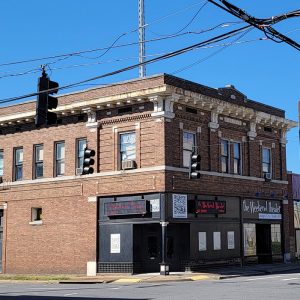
(261, 24)
(189, 22)
(221, 25)
(127, 58)
(78, 53)
(211, 55)
(162, 57)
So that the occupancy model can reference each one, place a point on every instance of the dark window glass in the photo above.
(266, 160)
(39, 161)
(189, 143)
(152, 247)
(224, 157)
(60, 159)
(81, 144)
(127, 146)
(1, 162)
(236, 158)
(18, 159)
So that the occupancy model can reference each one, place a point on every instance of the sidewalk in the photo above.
(209, 274)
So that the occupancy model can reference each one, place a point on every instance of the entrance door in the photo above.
(263, 243)
(147, 246)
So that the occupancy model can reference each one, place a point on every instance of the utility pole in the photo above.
(142, 68)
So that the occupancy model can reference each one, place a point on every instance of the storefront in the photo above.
(262, 227)
(184, 231)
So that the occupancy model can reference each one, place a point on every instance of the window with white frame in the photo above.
(80, 146)
(266, 160)
(189, 147)
(127, 146)
(18, 164)
(38, 161)
(36, 216)
(59, 158)
(1, 162)
(224, 156)
(236, 158)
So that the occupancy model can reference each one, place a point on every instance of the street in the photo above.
(279, 286)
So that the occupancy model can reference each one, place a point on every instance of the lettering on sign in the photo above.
(262, 209)
(134, 207)
(210, 207)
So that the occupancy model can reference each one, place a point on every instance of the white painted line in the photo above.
(288, 279)
(71, 294)
(263, 278)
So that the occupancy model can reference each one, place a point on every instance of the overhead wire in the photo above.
(162, 57)
(188, 24)
(257, 23)
(220, 25)
(78, 53)
(211, 55)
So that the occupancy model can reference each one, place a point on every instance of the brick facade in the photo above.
(159, 114)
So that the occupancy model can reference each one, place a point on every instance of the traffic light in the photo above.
(46, 102)
(195, 166)
(88, 161)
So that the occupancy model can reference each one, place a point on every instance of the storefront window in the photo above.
(249, 239)
(276, 238)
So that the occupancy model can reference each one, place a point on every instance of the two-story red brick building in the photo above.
(139, 208)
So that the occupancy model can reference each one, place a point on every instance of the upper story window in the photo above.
(231, 157)
(38, 161)
(189, 144)
(127, 146)
(237, 168)
(1, 162)
(80, 146)
(266, 160)
(224, 156)
(18, 164)
(59, 158)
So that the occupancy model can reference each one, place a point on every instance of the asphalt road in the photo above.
(279, 287)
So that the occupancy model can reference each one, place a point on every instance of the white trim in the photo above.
(39, 222)
(92, 199)
(140, 170)
(91, 268)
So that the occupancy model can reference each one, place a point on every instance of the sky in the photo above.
(101, 36)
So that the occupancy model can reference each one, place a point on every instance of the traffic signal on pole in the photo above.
(88, 161)
(195, 166)
(46, 102)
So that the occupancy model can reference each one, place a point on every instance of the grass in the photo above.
(34, 277)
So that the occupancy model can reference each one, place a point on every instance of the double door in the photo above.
(147, 246)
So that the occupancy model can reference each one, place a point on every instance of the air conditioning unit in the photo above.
(128, 164)
(78, 171)
(267, 176)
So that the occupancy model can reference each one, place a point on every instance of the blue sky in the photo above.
(263, 70)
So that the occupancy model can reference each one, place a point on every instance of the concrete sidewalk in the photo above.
(207, 274)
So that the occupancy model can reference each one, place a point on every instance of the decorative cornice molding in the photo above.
(115, 120)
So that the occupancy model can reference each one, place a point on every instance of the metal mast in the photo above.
(142, 68)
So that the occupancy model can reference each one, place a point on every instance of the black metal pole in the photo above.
(164, 267)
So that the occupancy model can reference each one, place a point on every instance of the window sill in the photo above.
(39, 222)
